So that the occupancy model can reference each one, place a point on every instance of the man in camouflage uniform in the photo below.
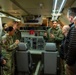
(4, 26)
(8, 46)
(54, 33)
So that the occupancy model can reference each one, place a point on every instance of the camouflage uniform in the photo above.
(17, 35)
(7, 51)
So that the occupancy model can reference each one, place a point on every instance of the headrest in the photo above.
(50, 47)
(22, 46)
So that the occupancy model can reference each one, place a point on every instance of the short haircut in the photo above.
(3, 25)
(72, 11)
(9, 29)
(54, 21)
(66, 27)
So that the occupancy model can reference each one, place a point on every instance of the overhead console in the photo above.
(33, 19)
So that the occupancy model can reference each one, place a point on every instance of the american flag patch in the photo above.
(4, 41)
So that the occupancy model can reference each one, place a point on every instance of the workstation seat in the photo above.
(49, 59)
(23, 60)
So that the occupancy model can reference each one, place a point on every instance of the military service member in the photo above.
(8, 46)
(4, 26)
(54, 33)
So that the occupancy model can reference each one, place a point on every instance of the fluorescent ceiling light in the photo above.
(2, 15)
(13, 18)
(18, 20)
(54, 8)
(56, 14)
(61, 6)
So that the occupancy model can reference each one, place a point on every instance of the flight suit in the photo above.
(57, 32)
(58, 37)
(8, 46)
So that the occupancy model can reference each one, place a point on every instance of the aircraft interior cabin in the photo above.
(33, 37)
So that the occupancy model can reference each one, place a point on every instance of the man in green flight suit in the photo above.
(54, 33)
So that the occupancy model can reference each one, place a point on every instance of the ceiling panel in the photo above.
(36, 7)
(9, 7)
